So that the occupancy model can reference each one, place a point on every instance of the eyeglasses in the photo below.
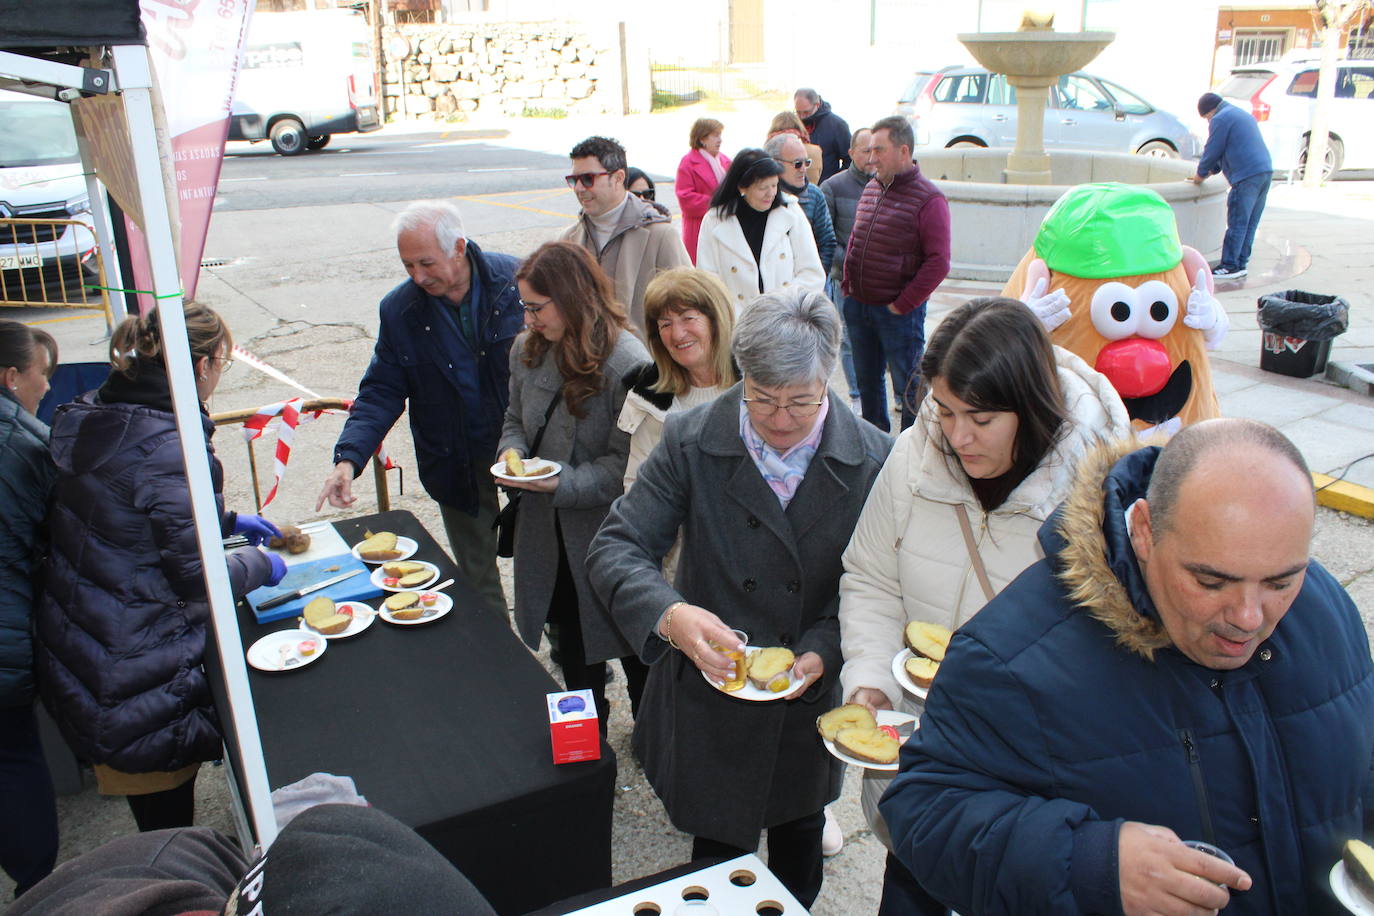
(586, 178)
(226, 360)
(646, 194)
(766, 407)
(536, 308)
(795, 163)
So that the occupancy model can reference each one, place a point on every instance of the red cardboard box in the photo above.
(573, 726)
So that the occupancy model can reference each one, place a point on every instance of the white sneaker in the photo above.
(832, 837)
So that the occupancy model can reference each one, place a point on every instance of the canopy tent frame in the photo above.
(130, 77)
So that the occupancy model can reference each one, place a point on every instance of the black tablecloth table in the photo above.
(445, 727)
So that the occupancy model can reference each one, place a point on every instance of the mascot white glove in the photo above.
(1205, 313)
(1052, 310)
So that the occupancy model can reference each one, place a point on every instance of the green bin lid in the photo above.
(1108, 229)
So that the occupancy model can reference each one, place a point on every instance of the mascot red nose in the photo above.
(1110, 280)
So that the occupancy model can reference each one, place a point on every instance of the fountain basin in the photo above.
(1035, 58)
(993, 225)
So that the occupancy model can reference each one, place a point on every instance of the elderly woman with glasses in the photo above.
(766, 484)
(756, 237)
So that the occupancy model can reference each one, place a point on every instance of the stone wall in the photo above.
(504, 68)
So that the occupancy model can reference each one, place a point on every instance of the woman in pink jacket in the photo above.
(698, 174)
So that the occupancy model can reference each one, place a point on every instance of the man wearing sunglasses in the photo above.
(630, 238)
(789, 152)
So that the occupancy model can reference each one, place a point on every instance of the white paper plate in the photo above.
(362, 619)
(378, 576)
(752, 693)
(441, 607)
(884, 717)
(266, 654)
(899, 672)
(1348, 894)
(546, 468)
(406, 546)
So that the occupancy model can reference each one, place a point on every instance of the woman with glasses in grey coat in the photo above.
(766, 484)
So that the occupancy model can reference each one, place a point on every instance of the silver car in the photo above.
(969, 106)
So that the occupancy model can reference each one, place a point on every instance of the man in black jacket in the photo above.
(443, 347)
(828, 130)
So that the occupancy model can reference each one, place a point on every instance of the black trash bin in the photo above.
(1298, 330)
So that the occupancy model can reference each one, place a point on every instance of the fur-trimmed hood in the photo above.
(1089, 539)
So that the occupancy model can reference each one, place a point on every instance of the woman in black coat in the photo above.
(121, 626)
(765, 483)
(28, 837)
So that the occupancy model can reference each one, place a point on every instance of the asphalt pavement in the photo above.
(304, 252)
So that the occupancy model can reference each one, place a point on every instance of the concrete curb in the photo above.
(1344, 496)
(1352, 375)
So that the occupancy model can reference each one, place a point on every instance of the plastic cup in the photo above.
(741, 673)
(1211, 850)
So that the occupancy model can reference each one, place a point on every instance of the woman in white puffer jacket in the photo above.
(1005, 420)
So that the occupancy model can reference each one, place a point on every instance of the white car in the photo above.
(1282, 96)
(40, 178)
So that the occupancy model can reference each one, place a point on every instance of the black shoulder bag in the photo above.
(504, 523)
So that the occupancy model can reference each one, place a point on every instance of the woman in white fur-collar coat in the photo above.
(991, 455)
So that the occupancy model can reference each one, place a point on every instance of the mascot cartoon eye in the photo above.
(1115, 310)
(1158, 309)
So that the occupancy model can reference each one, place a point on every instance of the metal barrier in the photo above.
(232, 417)
(51, 263)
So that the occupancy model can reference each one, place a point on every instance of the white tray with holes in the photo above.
(739, 887)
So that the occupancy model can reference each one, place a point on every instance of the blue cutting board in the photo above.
(355, 588)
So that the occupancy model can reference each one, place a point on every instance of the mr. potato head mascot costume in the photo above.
(1110, 281)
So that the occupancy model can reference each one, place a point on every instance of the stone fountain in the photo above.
(1033, 60)
(998, 197)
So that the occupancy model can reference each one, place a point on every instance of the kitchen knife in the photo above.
(292, 596)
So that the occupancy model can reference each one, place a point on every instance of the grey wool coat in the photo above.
(728, 768)
(593, 454)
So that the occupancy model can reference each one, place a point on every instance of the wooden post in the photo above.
(379, 480)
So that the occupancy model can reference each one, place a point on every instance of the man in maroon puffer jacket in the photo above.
(898, 254)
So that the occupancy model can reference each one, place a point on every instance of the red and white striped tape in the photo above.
(291, 419)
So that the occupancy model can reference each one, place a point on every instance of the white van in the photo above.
(305, 76)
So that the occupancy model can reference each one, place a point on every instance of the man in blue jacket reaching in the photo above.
(1236, 149)
(1176, 669)
(443, 346)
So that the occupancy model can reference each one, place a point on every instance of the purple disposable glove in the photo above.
(256, 529)
(278, 569)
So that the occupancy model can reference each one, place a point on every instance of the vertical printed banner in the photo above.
(196, 47)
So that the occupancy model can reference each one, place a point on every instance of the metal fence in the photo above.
(51, 263)
(734, 69)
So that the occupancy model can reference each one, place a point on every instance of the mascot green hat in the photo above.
(1109, 229)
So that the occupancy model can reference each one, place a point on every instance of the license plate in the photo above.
(20, 261)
